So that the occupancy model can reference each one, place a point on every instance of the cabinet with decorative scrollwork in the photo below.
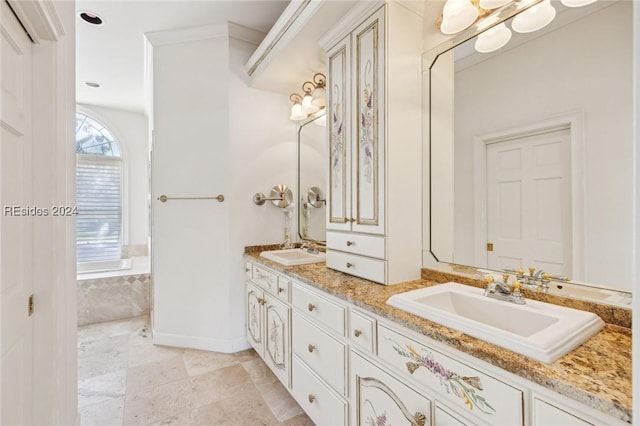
(268, 330)
(382, 400)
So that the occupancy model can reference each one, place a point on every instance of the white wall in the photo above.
(131, 131)
(576, 67)
(262, 155)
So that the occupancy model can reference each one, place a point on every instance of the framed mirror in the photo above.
(312, 178)
(529, 151)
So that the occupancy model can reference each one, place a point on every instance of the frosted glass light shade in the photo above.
(534, 18)
(319, 96)
(457, 15)
(307, 106)
(296, 113)
(577, 3)
(493, 4)
(493, 39)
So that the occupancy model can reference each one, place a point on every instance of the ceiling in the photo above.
(112, 54)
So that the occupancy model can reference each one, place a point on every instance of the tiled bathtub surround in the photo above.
(112, 298)
(597, 374)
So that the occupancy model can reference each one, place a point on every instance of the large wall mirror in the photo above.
(530, 150)
(312, 179)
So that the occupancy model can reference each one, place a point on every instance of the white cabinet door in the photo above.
(277, 352)
(380, 399)
(338, 121)
(255, 300)
(368, 132)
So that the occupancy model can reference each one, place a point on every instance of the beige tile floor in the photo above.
(123, 379)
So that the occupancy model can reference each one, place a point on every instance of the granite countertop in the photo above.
(597, 373)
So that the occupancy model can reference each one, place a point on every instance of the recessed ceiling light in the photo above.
(91, 84)
(91, 18)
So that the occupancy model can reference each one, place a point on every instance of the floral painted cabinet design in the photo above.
(356, 129)
(382, 400)
(268, 332)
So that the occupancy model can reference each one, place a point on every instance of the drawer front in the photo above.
(362, 330)
(444, 418)
(322, 405)
(379, 398)
(324, 354)
(284, 288)
(264, 278)
(248, 270)
(318, 308)
(363, 267)
(466, 388)
(547, 414)
(365, 245)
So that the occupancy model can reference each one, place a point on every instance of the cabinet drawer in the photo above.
(545, 414)
(466, 388)
(322, 405)
(362, 330)
(318, 308)
(264, 278)
(284, 288)
(365, 245)
(363, 267)
(324, 354)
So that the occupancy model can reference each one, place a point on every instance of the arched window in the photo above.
(98, 192)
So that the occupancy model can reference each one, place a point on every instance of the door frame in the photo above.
(51, 26)
(574, 121)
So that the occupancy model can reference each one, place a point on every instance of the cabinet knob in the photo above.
(352, 220)
(311, 398)
(311, 307)
(311, 348)
(357, 332)
(280, 289)
(247, 269)
(261, 301)
(349, 243)
(349, 264)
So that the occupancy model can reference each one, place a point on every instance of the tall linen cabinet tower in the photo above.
(374, 131)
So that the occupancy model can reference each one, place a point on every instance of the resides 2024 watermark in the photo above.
(34, 211)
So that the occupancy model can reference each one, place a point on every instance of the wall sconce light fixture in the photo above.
(313, 100)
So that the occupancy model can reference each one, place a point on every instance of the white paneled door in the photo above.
(16, 225)
(529, 203)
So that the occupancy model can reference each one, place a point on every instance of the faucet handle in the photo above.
(520, 272)
(531, 271)
(546, 276)
(505, 278)
(517, 285)
(488, 279)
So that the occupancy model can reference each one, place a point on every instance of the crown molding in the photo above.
(182, 35)
(242, 33)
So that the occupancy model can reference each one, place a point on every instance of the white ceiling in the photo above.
(112, 54)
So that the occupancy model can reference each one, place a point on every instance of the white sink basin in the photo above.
(539, 330)
(290, 257)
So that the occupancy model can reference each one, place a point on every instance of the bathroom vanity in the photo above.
(349, 358)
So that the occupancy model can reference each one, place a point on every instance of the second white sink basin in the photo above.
(290, 257)
(542, 331)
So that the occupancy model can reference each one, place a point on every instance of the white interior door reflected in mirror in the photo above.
(584, 218)
(312, 178)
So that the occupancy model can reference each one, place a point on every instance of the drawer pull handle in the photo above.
(280, 289)
(261, 301)
(247, 269)
(311, 398)
(311, 307)
(311, 348)
(349, 264)
(350, 243)
(357, 332)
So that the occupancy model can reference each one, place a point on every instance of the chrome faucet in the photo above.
(310, 247)
(502, 291)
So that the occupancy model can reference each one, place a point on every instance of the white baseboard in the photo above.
(232, 345)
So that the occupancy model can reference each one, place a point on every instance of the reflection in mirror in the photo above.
(531, 150)
(312, 177)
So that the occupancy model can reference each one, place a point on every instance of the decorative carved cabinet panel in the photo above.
(254, 318)
(276, 324)
(383, 400)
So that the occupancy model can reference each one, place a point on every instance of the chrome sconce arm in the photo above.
(281, 196)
